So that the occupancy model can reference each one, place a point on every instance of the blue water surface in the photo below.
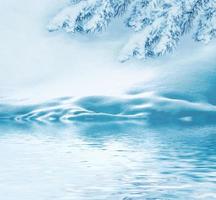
(107, 161)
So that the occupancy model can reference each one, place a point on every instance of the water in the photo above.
(145, 107)
(137, 146)
(115, 160)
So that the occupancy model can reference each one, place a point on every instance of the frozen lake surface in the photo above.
(125, 161)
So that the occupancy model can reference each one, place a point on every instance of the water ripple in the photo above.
(148, 107)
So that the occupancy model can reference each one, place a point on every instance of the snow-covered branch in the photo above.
(88, 15)
(158, 24)
(206, 26)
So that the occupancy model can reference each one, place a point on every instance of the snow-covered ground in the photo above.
(38, 65)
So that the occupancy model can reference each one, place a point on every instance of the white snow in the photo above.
(69, 14)
(36, 64)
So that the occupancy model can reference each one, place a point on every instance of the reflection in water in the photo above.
(125, 161)
(146, 107)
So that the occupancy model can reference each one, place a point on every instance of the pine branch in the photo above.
(158, 24)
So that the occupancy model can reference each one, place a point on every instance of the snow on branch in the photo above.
(158, 24)
(206, 28)
(87, 15)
